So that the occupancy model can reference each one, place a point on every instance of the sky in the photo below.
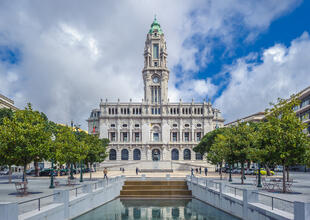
(64, 56)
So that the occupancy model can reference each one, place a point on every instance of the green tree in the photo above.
(26, 132)
(6, 144)
(69, 150)
(283, 131)
(219, 151)
(97, 150)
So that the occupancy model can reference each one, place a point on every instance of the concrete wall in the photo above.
(244, 206)
(66, 207)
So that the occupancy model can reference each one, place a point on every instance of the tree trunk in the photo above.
(242, 172)
(10, 173)
(24, 173)
(36, 168)
(90, 173)
(287, 174)
(221, 176)
(283, 180)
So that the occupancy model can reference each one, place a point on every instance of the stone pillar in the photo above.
(87, 188)
(62, 196)
(8, 211)
(301, 211)
(249, 196)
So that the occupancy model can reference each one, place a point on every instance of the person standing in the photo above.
(105, 172)
(137, 170)
(192, 171)
(199, 170)
(206, 171)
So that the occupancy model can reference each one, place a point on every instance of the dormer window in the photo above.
(124, 125)
(186, 125)
(112, 125)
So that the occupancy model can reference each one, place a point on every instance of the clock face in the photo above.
(155, 79)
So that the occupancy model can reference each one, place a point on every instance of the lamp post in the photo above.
(52, 173)
(230, 179)
(259, 181)
(78, 137)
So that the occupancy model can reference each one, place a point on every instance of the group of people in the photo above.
(198, 170)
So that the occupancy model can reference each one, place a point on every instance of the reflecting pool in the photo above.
(156, 209)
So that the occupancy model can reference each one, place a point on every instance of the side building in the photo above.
(154, 129)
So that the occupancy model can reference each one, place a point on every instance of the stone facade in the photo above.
(7, 103)
(154, 129)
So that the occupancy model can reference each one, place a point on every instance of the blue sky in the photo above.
(65, 56)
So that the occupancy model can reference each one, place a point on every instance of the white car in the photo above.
(278, 169)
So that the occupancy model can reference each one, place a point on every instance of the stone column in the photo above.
(301, 211)
(8, 211)
(62, 196)
(248, 196)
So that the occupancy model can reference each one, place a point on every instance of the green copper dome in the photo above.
(155, 26)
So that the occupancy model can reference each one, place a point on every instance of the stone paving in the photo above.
(39, 186)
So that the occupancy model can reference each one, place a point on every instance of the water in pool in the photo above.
(155, 209)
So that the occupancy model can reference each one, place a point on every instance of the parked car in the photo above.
(47, 172)
(4, 172)
(31, 171)
(278, 169)
(236, 171)
(249, 172)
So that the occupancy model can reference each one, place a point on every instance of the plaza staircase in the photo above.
(159, 189)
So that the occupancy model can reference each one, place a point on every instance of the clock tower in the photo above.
(155, 72)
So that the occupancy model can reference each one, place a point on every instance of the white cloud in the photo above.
(75, 52)
(282, 72)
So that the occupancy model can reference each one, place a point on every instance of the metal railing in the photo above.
(276, 203)
(234, 190)
(76, 190)
(39, 205)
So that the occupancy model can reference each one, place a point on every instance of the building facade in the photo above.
(154, 129)
(7, 103)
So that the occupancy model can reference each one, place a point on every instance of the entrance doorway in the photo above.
(155, 155)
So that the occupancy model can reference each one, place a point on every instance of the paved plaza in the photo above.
(39, 186)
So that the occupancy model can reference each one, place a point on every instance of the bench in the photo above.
(56, 182)
(71, 182)
(21, 187)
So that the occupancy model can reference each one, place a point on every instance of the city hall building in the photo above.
(154, 129)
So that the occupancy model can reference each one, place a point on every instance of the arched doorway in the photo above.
(112, 155)
(155, 155)
(125, 154)
(137, 154)
(175, 154)
(187, 154)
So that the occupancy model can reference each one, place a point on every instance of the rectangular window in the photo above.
(155, 51)
(174, 136)
(186, 136)
(155, 137)
(113, 136)
(125, 139)
(198, 136)
(137, 137)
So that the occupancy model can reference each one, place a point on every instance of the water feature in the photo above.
(127, 209)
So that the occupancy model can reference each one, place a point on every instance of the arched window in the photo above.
(187, 154)
(137, 154)
(198, 156)
(125, 154)
(112, 155)
(175, 154)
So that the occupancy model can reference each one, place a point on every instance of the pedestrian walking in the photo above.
(192, 171)
(137, 170)
(206, 171)
(105, 172)
(199, 170)
(123, 170)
